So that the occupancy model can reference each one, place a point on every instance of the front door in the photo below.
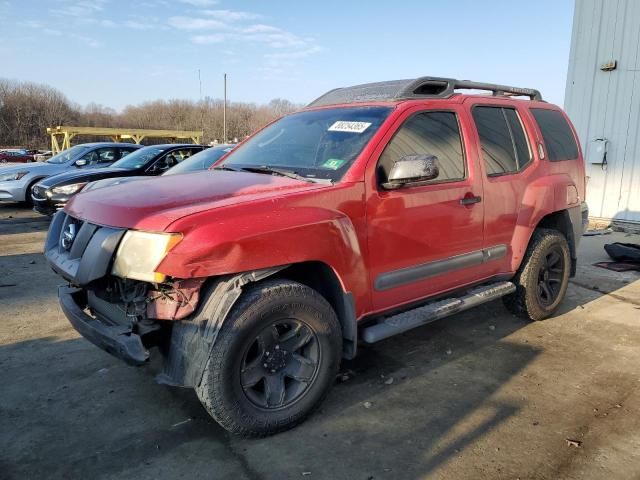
(428, 238)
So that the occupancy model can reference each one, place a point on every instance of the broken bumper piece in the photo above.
(117, 340)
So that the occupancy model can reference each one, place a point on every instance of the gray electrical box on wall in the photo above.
(598, 151)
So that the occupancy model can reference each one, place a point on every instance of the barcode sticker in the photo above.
(352, 127)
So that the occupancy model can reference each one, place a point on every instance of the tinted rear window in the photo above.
(502, 138)
(557, 135)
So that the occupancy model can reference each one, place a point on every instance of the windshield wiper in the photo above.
(224, 167)
(277, 171)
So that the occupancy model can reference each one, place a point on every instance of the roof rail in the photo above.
(423, 87)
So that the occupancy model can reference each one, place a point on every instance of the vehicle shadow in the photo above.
(408, 404)
(111, 419)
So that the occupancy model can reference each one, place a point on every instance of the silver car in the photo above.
(16, 181)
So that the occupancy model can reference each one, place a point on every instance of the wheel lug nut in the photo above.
(273, 371)
(265, 365)
(266, 353)
(277, 347)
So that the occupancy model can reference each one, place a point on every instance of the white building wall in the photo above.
(607, 104)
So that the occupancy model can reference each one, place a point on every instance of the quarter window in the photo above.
(427, 133)
(557, 135)
(504, 143)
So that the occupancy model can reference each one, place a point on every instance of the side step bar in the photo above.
(417, 317)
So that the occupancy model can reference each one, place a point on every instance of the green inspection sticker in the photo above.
(333, 163)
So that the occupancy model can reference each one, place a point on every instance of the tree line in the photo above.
(27, 109)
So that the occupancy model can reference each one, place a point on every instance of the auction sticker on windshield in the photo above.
(352, 127)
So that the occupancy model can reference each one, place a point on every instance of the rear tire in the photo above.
(274, 360)
(543, 277)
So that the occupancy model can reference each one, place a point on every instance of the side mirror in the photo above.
(80, 163)
(412, 170)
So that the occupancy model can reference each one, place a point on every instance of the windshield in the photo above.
(315, 144)
(68, 154)
(200, 161)
(139, 158)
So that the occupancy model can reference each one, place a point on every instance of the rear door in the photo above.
(508, 166)
(422, 239)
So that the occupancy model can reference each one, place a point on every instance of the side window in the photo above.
(505, 148)
(182, 155)
(427, 133)
(170, 159)
(90, 157)
(106, 155)
(557, 135)
(123, 152)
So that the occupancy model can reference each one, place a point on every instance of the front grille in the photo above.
(78, 250)
(39, 193)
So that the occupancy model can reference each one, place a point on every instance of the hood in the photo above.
(155, 203)
(77, 175)
(107, 182)
(25, 167)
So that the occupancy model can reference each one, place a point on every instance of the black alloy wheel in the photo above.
(280, 364)
(550, 276)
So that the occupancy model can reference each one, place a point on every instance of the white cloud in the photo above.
(88, 41)
(261, 28)
(138, 25)
(292, 55)
(190, 23)
(199, 3)
(206, 39)
(81, 9)
(231, 15)
(51, 31)
(32, 24)
(220, 26)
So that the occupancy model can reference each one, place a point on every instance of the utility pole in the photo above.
(224, 112)
(201, 107)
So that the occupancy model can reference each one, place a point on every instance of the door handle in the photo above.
(470, 199)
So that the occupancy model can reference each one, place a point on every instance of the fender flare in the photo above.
(193, 339)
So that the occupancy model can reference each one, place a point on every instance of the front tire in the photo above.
(274, 360)
(27, 194)
(543, 277)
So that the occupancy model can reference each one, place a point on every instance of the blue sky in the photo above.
(116, 52)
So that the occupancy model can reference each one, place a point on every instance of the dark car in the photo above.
(54, 192)
(16, 181)
(199, 161)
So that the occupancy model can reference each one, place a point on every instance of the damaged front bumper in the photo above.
(118, 340)
(127, 317)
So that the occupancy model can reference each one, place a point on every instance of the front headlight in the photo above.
(12, 176)
(140, 253)
(69, 189)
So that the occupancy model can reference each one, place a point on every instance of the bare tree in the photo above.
(27, 109)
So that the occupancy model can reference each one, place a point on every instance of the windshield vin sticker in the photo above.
(351, 127)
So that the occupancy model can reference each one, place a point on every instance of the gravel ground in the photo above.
(479, 395)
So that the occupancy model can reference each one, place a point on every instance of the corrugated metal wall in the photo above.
(607, 104)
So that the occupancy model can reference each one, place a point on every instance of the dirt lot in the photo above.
(480, 395)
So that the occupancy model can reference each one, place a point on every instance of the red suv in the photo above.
(376, 209)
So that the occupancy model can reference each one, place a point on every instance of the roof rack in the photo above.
(423, 87)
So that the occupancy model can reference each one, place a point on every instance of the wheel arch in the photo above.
(561, 222)
(323, 279)
(30, 184)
